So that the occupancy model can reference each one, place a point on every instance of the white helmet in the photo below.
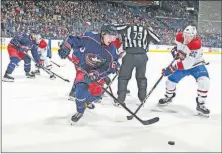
(190, 30)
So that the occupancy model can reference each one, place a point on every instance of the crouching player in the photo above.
(17, 50)
(98, 58)
(107, 80)
(189, 62)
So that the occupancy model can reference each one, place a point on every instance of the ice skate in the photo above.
(7, 78)
(76, 117)
(30, 75)
(165, 101)
(117, 104)
(36, 72)
(201, 109)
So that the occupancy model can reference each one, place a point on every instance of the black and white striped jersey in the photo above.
(134, 36)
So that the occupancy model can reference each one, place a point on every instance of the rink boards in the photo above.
(152, 48)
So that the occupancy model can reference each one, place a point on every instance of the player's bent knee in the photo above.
(203, 83)
(81, 92)
(170, 84)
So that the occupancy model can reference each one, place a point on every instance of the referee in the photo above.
(135, 41)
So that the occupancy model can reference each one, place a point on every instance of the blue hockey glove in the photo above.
(93, 76)
(107, 80)
(15, 42)
(64, 50)
(169, 70)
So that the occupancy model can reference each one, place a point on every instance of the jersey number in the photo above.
(138, 35)
(193, 54)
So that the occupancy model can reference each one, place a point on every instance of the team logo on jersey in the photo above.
(82, 49)
(94, 60)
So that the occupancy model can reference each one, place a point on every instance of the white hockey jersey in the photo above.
(193, 50)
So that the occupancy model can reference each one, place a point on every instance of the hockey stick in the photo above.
(46, 70)
(108, 86)
(55, 63)
(110, 89)
(144, 122)
(147, 96)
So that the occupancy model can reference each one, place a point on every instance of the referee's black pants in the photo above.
(130, 61)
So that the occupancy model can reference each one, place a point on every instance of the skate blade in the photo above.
(30, 77)
(200, 114)
(7, 80)
(71, 98)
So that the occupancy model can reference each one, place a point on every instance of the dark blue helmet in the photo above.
(109, 29)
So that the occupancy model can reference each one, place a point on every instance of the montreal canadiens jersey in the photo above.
(193, 50)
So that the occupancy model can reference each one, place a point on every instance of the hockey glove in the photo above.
(64, 50)
(39, 63)
(92, 76)
(181, 55)
(107, 80)
(169, 70)
(174, 53)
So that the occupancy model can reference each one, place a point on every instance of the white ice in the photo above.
(36, 115)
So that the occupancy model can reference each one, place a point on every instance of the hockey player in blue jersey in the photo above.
(17, 49)
(98, 57)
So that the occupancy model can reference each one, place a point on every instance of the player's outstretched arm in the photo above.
(71, 42)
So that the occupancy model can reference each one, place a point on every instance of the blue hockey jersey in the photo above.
(23, 42)
(93, 55)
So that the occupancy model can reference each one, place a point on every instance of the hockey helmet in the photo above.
(109, 29)
(190, 30)
(42, 44)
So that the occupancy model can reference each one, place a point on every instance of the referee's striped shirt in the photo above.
(136, 36)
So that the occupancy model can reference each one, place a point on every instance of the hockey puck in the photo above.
(171, 142)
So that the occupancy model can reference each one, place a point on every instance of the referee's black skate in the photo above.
(117, 104)
(201, 109)
(166, 100)
(30, 75)
(76, 117)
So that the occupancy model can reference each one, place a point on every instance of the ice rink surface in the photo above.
(36, 115)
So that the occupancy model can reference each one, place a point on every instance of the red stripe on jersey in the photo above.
(202, 91)
(171, 90)
(75, 59)
(180, 65)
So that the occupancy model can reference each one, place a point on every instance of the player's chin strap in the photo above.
(45, 69)
(144, 122)
(147, 96)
